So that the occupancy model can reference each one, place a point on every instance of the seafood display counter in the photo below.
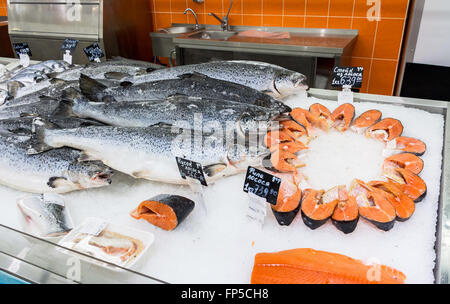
(134, 230)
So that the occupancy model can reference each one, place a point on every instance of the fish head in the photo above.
(287, 83)
(90, 174)
(242, 156)
(259, 121)
(3, 96)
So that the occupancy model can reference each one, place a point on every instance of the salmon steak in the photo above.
(407, 161)
(289, 146)
(343, 116)
(373, 205)
(306, 119)
(276, 137)
(411, 184)
(318, 206)
(385, 130)
(365, 120)
(295, 129)
(324, 115)
(405, 144)
(309, 266)
(164, 211)
(289, 198)
(346, 215)
(404, 206)
(284, 161)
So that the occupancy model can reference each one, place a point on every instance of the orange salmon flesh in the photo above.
(309, 266)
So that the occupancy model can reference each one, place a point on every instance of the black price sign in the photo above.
(69, 44)
(191, 169)
(262, 184)
(351, 76)
(94, 52)
(22, 48)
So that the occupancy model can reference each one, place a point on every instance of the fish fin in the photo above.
(193, 75)
(176, 96)
(86, 156)
(13, 87)
(56, 81)
(91, 87)
(141, 174)
(56, 182)
(126, 84)
(149, 70)
(213, 169)
(108, 99)
(116, 75)
(37, 141)
(23, 115)
(64, 109)
(71, 94)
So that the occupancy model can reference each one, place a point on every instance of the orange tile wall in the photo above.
(3, 11)
(377, 49)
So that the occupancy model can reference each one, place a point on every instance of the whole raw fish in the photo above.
(194, 113)
(150, 153)
(192, 85)
(261, 76)
(45, 215)
(56, 171)
(45, 106)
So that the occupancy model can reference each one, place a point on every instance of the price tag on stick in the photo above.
(191, 169)
(23, 51)
(94, 52)
(68, 47)
(262, 184)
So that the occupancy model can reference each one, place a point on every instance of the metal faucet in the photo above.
(196, 27)
(225, 22)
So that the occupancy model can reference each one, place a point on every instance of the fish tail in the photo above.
(13, 87)
(91, 87)
(37, 141)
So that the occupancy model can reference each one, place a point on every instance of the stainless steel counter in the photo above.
(328, 43)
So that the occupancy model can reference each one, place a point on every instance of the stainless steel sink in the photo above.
(178, 30)
(213, 35)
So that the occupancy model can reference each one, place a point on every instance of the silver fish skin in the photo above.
(45, 216)
(149, 153)
(55, 89)
(193, 113)
(192, 85)
(23, 125)
(43, 107)
(55, 171)
(260, 76)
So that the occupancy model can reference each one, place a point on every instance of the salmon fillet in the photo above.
(309, 266)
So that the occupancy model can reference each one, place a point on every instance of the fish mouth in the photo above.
(103, 178)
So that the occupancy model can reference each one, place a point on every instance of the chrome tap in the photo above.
(197, 27)
(225, 22)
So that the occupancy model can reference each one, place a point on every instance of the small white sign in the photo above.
(24, 60)
(346, 95)
(67, 57)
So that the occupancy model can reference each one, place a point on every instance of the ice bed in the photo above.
(217, 243)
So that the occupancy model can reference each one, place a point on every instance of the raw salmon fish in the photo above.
(342, 117)
(404, 206)
(385, 130)
(346, 215)
(324, 115)
(164, 211)
(289, 146)
(405, 144)
(309, 266)
(366, 120)
(411, 184)
(405, 161)
(373, 205)
(306, 119)
(318, 206)
(289, 197)
(295, 130)
(284, 161)
(276, 137)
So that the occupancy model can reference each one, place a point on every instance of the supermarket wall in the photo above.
(3, 11)
(379, 42)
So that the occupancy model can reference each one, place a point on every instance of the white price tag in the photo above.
(345, 96)
(93, 226)
(24, 60)
(67, 57)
